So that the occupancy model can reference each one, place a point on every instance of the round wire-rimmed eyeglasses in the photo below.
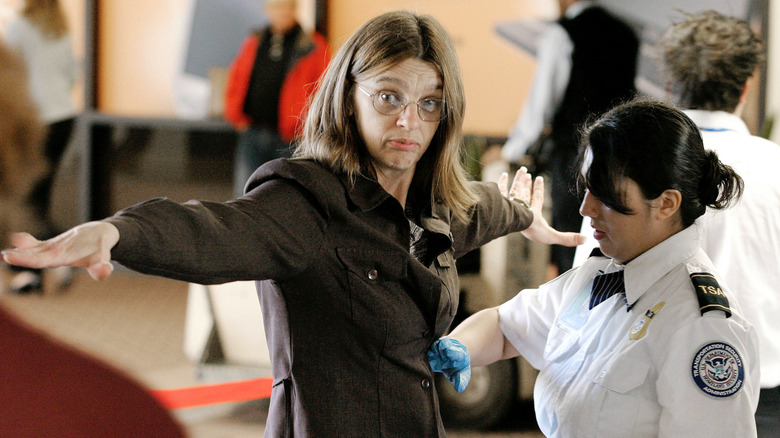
(390, 104)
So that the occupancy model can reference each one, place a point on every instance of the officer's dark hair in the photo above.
(659, 148)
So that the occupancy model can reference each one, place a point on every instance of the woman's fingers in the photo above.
(521, 186)
(23, 240)
(537, 198)
(86, 246)
(100, 270)
(502, 181)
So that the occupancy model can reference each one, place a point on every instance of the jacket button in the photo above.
(373, 274)
(425, 383)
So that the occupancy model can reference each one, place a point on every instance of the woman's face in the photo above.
(624, 236)
(396, 143)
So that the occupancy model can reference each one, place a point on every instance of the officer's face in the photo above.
(624, 236)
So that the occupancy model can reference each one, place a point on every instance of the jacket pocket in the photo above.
(374, 278)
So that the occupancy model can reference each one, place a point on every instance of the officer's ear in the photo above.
(667, 204)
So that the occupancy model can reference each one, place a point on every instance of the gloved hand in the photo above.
(450, 357)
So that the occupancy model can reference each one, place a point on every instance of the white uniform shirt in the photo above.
(51, 67)
(553, 68)
(660, 369)
(744, 242)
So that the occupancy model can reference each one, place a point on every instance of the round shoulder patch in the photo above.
(718, 370)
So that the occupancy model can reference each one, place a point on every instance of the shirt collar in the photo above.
(717, 121)
(645, 270)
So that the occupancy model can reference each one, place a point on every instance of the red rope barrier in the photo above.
(244, 390)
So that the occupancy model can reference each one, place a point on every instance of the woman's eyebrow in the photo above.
(401, 83)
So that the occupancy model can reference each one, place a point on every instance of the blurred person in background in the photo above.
(268, 85)
(40, 34)
(50, 389)
(586, 63)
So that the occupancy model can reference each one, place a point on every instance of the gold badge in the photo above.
(640, 328)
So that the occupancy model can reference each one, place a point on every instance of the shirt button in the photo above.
(373, 274)
(425, 383)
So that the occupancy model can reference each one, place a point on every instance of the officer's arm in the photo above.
(483, 338)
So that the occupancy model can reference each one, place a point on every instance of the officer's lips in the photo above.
(597, 233)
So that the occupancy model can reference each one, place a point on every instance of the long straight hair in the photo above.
(47, 16)
(330, 134)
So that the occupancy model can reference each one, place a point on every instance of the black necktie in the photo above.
(604, 286)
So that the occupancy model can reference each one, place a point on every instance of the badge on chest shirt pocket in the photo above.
(374, 279)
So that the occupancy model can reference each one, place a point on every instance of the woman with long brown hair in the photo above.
(352, 243)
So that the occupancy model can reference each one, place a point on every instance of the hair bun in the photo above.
(719, 182)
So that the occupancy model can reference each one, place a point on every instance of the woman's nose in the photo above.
(589, 204)
(409, 117)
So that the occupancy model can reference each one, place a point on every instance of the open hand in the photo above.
(87, 246)
(531, 195)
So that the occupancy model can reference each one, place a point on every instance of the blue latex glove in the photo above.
(450, 357)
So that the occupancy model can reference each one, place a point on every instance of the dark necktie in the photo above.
(604, 286)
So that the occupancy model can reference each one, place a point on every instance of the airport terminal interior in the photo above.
(151, 125)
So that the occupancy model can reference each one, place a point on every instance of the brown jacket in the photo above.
(348, 312)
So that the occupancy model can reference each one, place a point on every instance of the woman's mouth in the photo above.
(403, 144)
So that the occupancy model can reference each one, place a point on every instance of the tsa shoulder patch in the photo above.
(718, 370)
(711, 296)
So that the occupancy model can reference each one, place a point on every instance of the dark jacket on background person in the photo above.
(602, 74)
(306, 64)
(349, 313)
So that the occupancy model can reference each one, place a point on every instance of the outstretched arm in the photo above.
(87, 246)
(531, 194)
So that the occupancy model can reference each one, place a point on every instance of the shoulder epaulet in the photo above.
(711, 296)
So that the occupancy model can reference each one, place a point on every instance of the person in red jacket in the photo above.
(270, 80)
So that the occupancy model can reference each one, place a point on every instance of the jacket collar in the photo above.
(367, 194)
